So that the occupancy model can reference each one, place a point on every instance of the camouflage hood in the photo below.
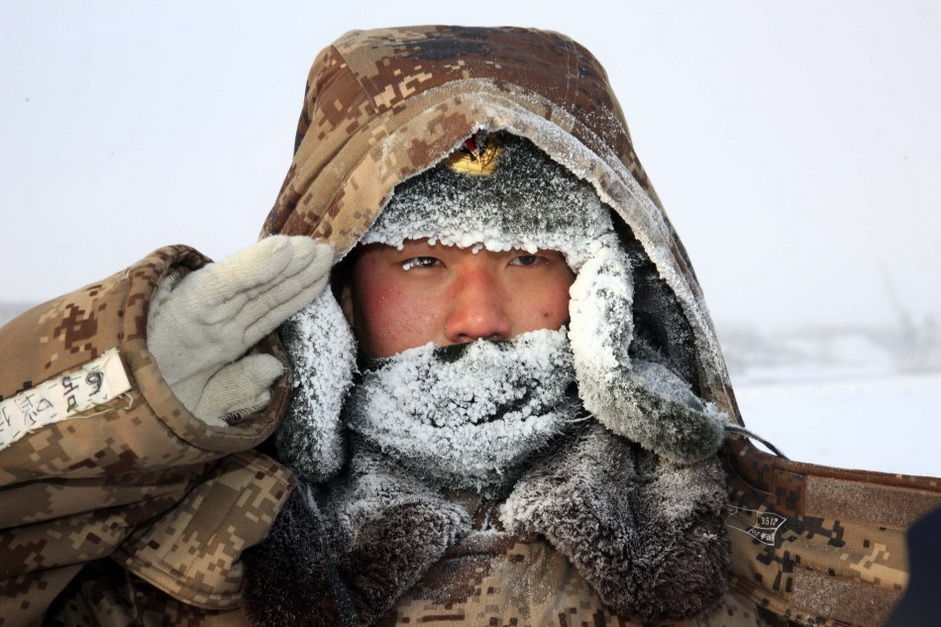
(383, 105)
(381, 108)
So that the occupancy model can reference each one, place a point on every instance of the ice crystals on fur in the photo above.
(468, 414)
(322, 349)
(529, 203)
(642, 400)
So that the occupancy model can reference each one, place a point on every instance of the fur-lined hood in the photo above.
(383, 105)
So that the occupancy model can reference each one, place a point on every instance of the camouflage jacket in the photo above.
(117, 468)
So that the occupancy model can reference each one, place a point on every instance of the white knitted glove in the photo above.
(200, 325)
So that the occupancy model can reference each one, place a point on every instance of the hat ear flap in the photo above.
(641, 400)
(322, 349)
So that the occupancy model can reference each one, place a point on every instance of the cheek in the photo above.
(542, 306)
(391, 317)
(555, 306)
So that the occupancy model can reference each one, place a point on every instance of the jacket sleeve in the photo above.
(94, 447)
(142, 427)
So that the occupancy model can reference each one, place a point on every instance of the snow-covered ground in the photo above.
(853, 398)
(888, 422)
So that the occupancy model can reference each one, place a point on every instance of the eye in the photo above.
(420, 262)
(527, 260)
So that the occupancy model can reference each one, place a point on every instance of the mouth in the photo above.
(500, 411)
(513, 406)
(450, 354)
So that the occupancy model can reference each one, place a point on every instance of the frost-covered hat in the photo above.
(498, 192)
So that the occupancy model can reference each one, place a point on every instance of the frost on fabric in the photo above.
(641, 400)
(601, 315)
(529, 203)
(592, 160)
(322, 349)
(468, 414)
(617, 187)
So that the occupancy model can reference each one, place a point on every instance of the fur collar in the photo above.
(638, 528)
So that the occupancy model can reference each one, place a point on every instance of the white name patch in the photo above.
(65, 396)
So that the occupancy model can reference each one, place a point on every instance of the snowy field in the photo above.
(887, 422)
(863, 398)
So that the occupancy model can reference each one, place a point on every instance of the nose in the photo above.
(476, 310)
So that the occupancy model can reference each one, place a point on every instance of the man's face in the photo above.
(400, 299)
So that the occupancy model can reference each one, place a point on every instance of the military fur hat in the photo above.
(498, 192)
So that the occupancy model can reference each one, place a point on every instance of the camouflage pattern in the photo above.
(495, 578)
(139, 480)
(818, 545)
(385, 104)
(412, 82)
(162, 496)
(107, 594)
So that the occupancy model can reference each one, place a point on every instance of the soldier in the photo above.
(476, 194)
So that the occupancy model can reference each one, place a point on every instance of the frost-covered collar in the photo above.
(467, 416)
(647, 535)
(528, 202)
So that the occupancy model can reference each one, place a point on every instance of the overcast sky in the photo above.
(795, 145)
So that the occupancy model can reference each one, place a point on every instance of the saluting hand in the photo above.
(200, 326)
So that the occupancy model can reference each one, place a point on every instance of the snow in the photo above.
(887, 422)
(863, 398)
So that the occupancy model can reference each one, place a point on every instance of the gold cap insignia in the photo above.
(477, 157)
